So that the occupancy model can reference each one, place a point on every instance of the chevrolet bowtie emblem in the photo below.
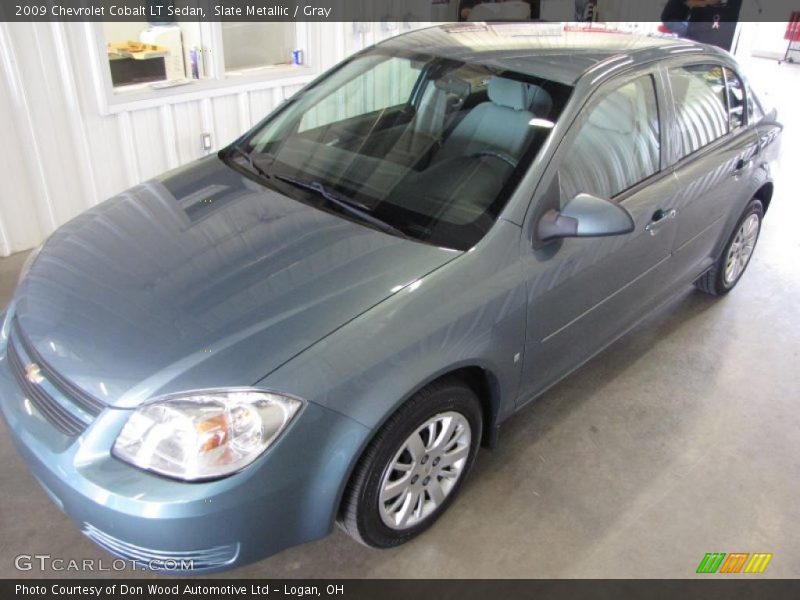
(33, 373)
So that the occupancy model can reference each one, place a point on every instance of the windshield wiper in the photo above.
(237, 149)
(353, 208)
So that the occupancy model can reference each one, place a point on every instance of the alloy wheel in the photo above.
(424, 470)
(741, 249)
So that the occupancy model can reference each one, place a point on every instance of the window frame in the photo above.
(745, 107)
(218, 58)
(655, 74)
(216, 83)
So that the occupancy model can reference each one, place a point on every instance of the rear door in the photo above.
(713, 150)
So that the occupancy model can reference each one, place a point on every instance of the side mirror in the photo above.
(585, 216)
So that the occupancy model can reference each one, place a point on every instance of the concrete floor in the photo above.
(682, 439)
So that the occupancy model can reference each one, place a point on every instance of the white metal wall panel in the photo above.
(19, 217)
(262, 102)
(188, 127)
(225, 110)
(61, 155)
(148, 143)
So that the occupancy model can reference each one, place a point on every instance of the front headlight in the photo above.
(204, 435)
(26, 266)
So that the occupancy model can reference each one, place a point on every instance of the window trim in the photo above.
(217, 82)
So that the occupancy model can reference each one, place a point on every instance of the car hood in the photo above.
(202, 279)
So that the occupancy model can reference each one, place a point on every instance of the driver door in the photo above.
(585, 292)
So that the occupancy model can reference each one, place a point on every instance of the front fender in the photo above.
(471, 312)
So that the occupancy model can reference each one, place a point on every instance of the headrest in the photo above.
(520, 96)
(457, 87)
(540, 103)
(508, 93)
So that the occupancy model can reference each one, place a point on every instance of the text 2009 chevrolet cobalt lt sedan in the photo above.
(326, 320)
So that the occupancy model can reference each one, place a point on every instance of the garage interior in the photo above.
(681, 439)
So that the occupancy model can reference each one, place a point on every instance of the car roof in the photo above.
(553, 51)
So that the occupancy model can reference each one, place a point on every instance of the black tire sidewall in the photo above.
(457, 398)
(755, 207)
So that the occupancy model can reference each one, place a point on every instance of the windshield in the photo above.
(429, 147)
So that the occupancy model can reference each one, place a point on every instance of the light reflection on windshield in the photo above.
(429, 147)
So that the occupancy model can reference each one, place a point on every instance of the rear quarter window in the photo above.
(736, 99)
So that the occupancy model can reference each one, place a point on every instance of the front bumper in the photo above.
(288, 496)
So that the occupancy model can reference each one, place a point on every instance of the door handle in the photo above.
(741, 165)
(659, 218)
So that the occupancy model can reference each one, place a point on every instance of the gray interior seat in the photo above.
(424, 131)
(431, 113)
(502, 124)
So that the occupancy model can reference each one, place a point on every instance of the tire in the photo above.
(378, 522)
(719, 279)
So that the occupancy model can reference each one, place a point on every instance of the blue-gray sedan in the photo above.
(326, 320)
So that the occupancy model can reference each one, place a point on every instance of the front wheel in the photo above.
(733, 261)
(415, 466)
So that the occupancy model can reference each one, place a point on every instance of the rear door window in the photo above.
(700, 104)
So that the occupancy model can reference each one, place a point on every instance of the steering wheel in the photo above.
(495, 154)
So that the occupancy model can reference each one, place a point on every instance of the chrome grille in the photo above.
(208, 558)
(76, 395)
(61, 418)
